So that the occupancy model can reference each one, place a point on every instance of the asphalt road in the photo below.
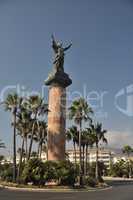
(118, 192)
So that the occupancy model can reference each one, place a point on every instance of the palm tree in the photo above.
(41, 136)
(37, 108)
(23, 126)
(98, 135)
(2, 145)
(128, 150)
(12, 104)
(88, 141)
(72, 134)
(83, 145)
(80, 112)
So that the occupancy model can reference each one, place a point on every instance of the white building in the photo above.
(105, 156)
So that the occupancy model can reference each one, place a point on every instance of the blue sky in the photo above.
(101, 58)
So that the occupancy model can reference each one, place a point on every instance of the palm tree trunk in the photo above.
(89, 164)
(39, 149)
(74, 146)
(14, 147)
(40, 154)
(20, 161)
(96, 173)
(83, 161)
(26, 148)
(80, 155)
(129, 167)
(130, 170)
(31, 140)
(86, 160)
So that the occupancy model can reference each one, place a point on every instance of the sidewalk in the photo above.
(106, 178)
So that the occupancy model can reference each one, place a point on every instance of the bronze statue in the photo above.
(59, 55)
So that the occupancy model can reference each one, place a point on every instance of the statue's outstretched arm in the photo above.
(54, 44)
(66, 48)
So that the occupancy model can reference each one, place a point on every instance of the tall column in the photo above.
(56, 123)
(57, 115)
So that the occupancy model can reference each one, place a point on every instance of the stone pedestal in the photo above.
(57, 83)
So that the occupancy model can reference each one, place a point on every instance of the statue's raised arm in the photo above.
(68, 47)
(54, 44)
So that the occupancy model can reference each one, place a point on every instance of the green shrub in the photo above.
(119, 169)
(90, 181)
(67, 173)
(50, 170)
(6, 172)
(33, 172)
(37, 172)
(102, 169)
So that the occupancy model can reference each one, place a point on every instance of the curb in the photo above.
(54, 190)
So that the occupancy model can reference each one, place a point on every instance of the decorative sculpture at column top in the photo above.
(58, 76)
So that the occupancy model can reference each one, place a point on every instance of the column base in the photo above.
(58, 78)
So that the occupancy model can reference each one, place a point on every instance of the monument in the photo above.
(57, 81)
